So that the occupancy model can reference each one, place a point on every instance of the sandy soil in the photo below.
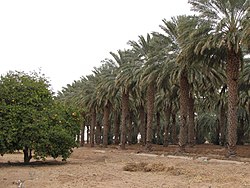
(203, 166)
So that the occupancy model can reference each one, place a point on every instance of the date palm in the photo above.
(88, 97)
(181, 48)
(69, 96)
(83, 93)
(105, 93)
(147, 49)
(244, 85)
(139, 101)
(229, 29)
(125, 82)
(244, 103)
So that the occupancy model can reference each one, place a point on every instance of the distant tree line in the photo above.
(188, 84)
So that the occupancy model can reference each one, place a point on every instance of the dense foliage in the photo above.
(186, 85)
(191, 80)
(31, 121)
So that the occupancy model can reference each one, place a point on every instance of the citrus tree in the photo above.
(31, 121)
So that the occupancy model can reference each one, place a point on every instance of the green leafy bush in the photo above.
(31, 121)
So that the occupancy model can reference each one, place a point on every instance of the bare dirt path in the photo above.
(111, 167)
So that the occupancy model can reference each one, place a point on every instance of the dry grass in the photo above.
(144, 167)
(153, 167)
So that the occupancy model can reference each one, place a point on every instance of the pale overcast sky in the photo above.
(67, 38)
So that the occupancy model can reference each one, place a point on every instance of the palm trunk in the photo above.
(150, 114)
(92, 127)
(167, 124)
(83, 129)
(216, 140)
(135, 133)
(222, 123)
(130, 128)
(232, 82)
(88, 134)
(240, 132)
(82, 134)
(184, 101)
(116, 127)
(173, 129)
(106, 123)
(142, 126)
(191, 133)
(98, 133)
(249, 106)
(125, 108)
(158, 127)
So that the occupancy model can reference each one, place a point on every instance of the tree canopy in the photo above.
(191, 80)
(31, 121)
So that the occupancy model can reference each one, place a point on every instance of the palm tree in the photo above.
(139, 101)
(105, 93)
(163, 104)
(148, 51)
(124, 81)
(88, 96)
(244, 103)
(245, 85)
(181, 49)
(82, 93)
(67, 98)
(229, 30)
(167, 94)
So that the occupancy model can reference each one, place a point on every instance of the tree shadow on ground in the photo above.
(33, 163)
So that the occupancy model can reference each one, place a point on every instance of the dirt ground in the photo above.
(203, 166)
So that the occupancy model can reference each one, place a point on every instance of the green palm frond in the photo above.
(207, 123)
(227, 18)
